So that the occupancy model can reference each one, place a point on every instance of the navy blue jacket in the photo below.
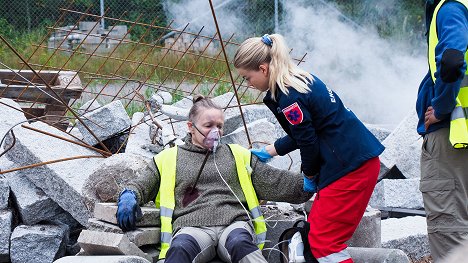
(332, 140)
(452, 30)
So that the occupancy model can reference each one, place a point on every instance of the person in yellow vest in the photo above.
(216, 212)
(442, 110)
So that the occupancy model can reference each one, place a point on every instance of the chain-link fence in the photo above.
(258, 16)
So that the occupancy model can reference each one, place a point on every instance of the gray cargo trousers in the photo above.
(444, 187)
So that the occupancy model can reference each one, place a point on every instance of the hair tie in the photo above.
(266, 39)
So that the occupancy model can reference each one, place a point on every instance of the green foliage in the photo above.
(222, 88)
(134, 107)
(177, 95)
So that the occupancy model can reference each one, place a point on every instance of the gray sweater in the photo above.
(216, 205)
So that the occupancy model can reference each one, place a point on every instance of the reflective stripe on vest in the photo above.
(335, 257)
(166, 164)
(459, 118)
(165, 201)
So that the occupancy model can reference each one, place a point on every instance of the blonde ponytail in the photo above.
(283, 72)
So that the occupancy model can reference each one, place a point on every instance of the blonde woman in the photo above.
(339, 155)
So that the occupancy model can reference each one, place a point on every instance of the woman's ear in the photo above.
(264, 69)
(190, 127)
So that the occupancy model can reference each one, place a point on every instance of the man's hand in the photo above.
(128, 211)
(429, 117)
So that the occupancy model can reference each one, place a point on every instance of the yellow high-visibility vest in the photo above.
(165, 200)
(459, 117)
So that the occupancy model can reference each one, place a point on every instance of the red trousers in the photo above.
(337, 211)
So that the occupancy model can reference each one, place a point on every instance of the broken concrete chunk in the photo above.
(166, 96)
(368, 232)
(402, 193)
(408, 234)
(10, 114)
(38, 243)
(139, 136)
(103, 184)
(90, 105)
(4, 193)
(291, 162)
(31, 202)
(102, 259)
(107, 211)
(378, 255)
(381, 133)
(403, 148)
(6, 220)
(233, 119)
(102, 243)
(185, 103)
(175, 113)
(140, 237)
(261, 131)
(62, 181)
(104, 122)
(224, 100)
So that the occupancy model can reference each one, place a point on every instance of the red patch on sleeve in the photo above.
(293, 113)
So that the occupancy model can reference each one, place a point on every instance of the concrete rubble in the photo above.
(64, 206)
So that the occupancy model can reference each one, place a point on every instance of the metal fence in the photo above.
(259, 16)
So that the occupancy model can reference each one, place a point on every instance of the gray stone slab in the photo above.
(368, 232)
(6, 221)
(104, 122)
(30, 201)
(102, 243)
(291, 161)
(152, 251)
(408, 234)
(381, 133)
(89, 106)
(403, 148)
(175, 113)
(140, 237)
(401, 193)
(226, 99)
(261, 131)
(38, 243)
(4, 193)
(233, 119)
(102, 259)
(185, 102)
(139, 137)
(377, 255)
(61, 181)
(107, 211)
(10, 114)
(279, 218)
(103, 185)
(165, 96)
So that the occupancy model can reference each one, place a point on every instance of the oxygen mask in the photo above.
(211, 139)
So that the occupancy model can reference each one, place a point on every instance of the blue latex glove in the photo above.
(309, 185)
(262, 154)
(128, 210)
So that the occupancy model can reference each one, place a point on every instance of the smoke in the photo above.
(378, 79)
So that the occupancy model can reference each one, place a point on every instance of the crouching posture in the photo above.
(208, 194)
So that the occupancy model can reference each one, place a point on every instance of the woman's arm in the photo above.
(274, 184)
(145, 186)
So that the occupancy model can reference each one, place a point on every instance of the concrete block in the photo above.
(62, 181)
(4, 193)
(140, 237)
(30, 201)
(224, 100)
(408, 234)
(233, 119)
(102, 259)
(102, 243)
(377, 255)
(38, 243)
(104, 122)
(260, 131)
(279, 218)
(175, 113)
(106, 212)
(292, 164)
(165, 96)
(368, 232)
(402, 193)
(10, 114)
(103, 185)
(152, 251)
(403, 148)
(88, 106)
(381, 133)
(185, 103)
(6, 221)
(139, 136)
